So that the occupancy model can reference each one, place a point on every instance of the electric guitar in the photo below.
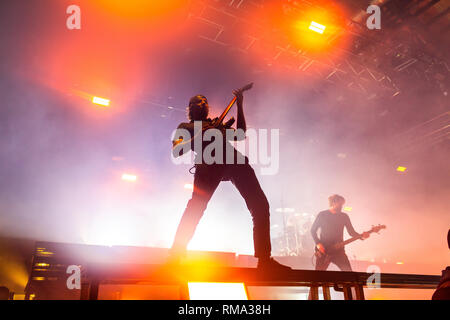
(330, 249)
(217, 121)
(225, 112)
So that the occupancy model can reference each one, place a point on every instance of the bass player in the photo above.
(331, 223)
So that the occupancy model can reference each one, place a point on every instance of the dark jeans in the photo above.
(206, 180)
(340, 259)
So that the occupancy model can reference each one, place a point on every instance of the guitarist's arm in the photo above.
(351, 231)
(184, 136)
(314, 228)
(178, 145)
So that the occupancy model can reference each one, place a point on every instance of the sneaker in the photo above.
(272, 265)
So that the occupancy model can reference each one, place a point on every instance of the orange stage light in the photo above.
(217, 291)
(318, 31)
(100, 101)
(401, 169)
(142, 10)
(189, 186)
(317, 27)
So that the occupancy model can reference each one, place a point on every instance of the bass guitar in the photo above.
(337, 246)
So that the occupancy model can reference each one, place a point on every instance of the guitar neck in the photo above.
(346, 242)
(225, 112)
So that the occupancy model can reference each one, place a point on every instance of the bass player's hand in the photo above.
(320, 247)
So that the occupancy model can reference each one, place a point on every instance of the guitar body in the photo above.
(328, 251)
(323, 256)
(318, 253)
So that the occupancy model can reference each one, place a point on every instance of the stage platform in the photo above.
(351, 283)
(105, 266)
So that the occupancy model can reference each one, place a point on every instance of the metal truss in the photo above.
(430, 133)
(359, 68)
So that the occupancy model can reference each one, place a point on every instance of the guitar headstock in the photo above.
(247, 87)
(377, 228)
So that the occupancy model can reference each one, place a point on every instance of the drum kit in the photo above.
(293, 237)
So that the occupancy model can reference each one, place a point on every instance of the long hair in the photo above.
(190, 110)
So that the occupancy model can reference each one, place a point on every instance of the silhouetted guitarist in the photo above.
(331, 224)
(208, 176)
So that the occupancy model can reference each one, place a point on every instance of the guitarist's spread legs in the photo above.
(208, 176)
(206, 180)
